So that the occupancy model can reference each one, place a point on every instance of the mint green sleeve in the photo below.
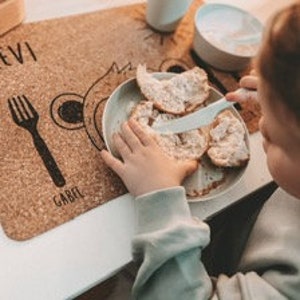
(169, 241)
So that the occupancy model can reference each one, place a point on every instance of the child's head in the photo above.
(278, 65)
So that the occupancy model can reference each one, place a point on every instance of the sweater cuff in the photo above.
(160, 208)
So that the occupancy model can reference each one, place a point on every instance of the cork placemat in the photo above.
(57, 74)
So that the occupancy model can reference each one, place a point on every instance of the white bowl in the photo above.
(226, 37)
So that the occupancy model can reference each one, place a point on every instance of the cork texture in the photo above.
(60, 73)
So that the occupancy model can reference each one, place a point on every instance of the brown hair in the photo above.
(279, 58)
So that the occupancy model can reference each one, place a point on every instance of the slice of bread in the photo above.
(185, 146)
(227, 146)
(178, 95)
(188, 145)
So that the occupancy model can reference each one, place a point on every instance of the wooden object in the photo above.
(11, 14)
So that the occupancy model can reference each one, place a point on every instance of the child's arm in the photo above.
(167, 235)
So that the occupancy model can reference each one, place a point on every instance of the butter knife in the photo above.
(197, 119)
(201, 117)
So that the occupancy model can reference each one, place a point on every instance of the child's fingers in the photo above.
(232, 96)
(146, 139)
(130, 137)
(246, 95)
(112, 162)
(249, 82)
(191, 167)
(121, 145)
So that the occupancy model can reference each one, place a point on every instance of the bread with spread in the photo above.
(178, 95)
(227, 145)
(188, 145)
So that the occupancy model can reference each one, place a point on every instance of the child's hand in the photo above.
(248, 82)
(144, 167)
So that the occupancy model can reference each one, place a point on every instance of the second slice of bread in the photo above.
(228, 146)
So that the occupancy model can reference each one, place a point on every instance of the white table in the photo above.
(75, 256)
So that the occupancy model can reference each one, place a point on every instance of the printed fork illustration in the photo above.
(25, 115)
